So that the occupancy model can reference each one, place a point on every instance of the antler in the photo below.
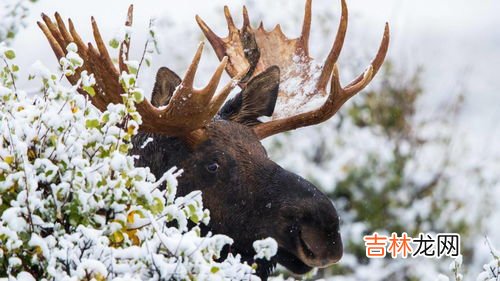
(188, 110)
(258, 49)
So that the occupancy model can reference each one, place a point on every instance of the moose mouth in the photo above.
(292, 262)
(303, 259)
(297, 262)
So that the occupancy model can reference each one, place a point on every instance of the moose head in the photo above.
(217, 143)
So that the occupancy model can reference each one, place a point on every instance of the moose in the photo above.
(217, 142)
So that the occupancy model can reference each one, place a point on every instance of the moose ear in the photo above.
(256, 100)
(166, 82)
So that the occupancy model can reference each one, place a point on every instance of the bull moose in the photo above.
(217, 143)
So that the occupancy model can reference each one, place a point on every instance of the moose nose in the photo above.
(318, 240)
(319, 248)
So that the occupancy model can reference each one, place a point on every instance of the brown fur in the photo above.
(249, 196)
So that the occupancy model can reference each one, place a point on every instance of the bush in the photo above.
(12, 16)
(72, 204)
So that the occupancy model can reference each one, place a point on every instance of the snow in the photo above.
(92, 268)
(25, 276)
(298, 93)
(442, 277)
(265, 248)
(71, 61)
(13, 219)
(146, 142)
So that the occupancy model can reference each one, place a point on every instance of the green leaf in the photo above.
(117, 237)
(114, 43)
(157, 206)
(90, 90)
(192, 209)
(131, 81)
(138, 96)
(194, 218)
(105, 117)
(92, 123)
(52, 140)
(76, 62)
(123, 148)
(132, 70)
(10, 54)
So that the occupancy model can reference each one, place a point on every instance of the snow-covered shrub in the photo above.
(491, 270)
(12, 16)
(72, 204)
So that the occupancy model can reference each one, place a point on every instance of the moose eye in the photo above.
(213, 167)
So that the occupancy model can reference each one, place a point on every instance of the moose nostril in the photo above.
(320, 248)
(306, 247)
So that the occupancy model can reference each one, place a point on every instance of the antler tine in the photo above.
(335, 85)
(82, 47)
(103, 68)
(58, 50)
(107, 83)
(215, 41)
(220, 98)
(376, 62)
(246, 18)
(54, 31)
(382, 52)
(125, 45)
(62, 28)
(306, 28)
(230, 22)
(209, 90)
(68, 38)
(188, 80)
(238, 45)
(101, 46)
(99, 99)
(366, 77)
(335, 51)
(206, 94)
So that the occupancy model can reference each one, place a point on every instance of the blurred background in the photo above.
(417, 151)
